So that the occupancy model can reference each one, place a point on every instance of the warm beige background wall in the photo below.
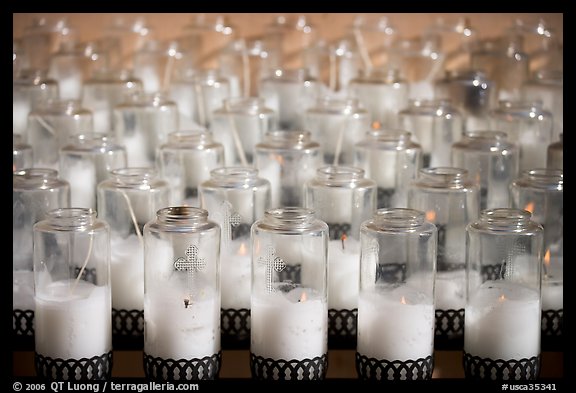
(330, 25)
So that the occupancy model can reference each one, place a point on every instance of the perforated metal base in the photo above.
(158, 369)
(552, 330)
(235, 328)
(288, 370)
(501, 370)
(342, 328)
(376, 370)
(449, 330)
(96, 368)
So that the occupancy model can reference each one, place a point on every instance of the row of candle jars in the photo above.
(289, 306)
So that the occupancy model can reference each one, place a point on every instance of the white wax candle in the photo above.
(502, 321)
(343, 274)
(289, 325)
(174, 331)
(82, 179)
(235, 276)
(396, 324)
(271, 171)
(450, 290)
(552, 295)
(23, 290)
(73, 324)
(127, 273)
(136, 149)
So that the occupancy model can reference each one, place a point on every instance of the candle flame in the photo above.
(502, 298)
(242, 250)
(376, 125)
(303, 297)
(547, 258)
(431, 215)
(403, 300)
(530, 207)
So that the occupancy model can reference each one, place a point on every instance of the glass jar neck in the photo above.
(289, 217)
(38, 177)
(339, 174)
(186, 215)
(134, 176)
(234, 175)
(71, 218)
(339, 105)
(398, 218)
(505, 219)
(392, 136)
(93, 142)
(542, 178)
(244, 104)
(288, 138)
(444, 177)
(190, 138)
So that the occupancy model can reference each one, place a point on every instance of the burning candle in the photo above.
(73, 321)
(235, 284)
(289, 325)
(502, 321)
(395, 324)
(181, 328)
(343, 273)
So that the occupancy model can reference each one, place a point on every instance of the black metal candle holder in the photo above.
(23, 330)
(235, 328)
(342, 328)
(127, 329)
(372, 369)
(501, 370)
(161, 370)
(288, 370)
(96, 368)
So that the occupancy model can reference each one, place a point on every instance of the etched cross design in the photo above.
(191, 264)
(229, 219)
(272, 263)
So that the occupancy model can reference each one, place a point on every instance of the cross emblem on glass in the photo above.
(229, 219)
(190, 264)
(272, 263)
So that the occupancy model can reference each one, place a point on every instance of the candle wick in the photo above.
(342, 238)
(133, 217)
(186, 303)
(90, 245)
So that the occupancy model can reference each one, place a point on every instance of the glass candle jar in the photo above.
(528, 125)
(22, 156)
(343, 198)
(504, 265)
(142, 123)
(548, 86)
(396, 302)
(239, 125)
(235, 197)
(210, 90)
(244, 62)
(335, 64)
(339, 124)
(471, 92)
(450, 200)
(287, 159)
(73, 334)
(181, 295)
(127, 200)
(383, 92)
(555, 154)
(29, 89)
(186, 160)
(289, 93)
(289, 308)
(35, 191)
(50, 126)
(392, 160)
(541, 192)
(492, 161)
(87, 160)
(103, 91)
(435, 126)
